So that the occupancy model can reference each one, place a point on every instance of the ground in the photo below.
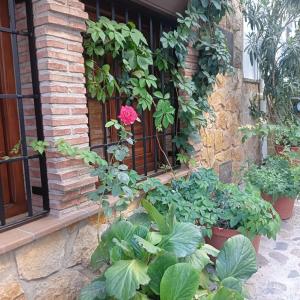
(278, 277)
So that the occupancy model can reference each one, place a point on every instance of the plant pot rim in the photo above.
(283, 146)
(279, 197)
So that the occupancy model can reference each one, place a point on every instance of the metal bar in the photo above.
(156, 151)
(104, 130)
(132, 126)
(18, 158)
(37, 102)
(14, 96)
(97, 9)
(24, 221)
(16, 65)
(143, 115)
(11, 31)
(149, 137)
(2, 209)
(113, 11)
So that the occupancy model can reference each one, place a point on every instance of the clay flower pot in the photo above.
(283, 205)
(221, 235)
(279, 149)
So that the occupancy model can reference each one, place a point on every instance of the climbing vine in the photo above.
(197, 28)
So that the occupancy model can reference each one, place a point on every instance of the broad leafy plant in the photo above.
(276, 177)
(152, 256)
(202, 199)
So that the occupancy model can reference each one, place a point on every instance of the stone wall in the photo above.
(52, 267)
(221, 141)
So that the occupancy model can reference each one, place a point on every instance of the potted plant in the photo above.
(278, 181)
(222, 210)
(152, 256)
(286, 138)
(241, 211)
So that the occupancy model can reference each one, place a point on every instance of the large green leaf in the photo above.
(183, 240)
(180, 282)
(236, 259)
(125, 277)
(157, 269)
(94, 291)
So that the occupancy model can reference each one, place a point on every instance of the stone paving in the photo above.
(278, 277)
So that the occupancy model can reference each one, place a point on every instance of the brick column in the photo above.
(58, 28)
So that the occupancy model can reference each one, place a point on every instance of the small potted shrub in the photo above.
(222, 210)
(240, 211)
(286, 138)
(278, 181)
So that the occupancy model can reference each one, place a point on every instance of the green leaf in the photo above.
(155, 216)
(183, 240)
(94, 291)
(180, 282)
(236, 259)
(140, 296)
(150, 248)
(157, 269)
(210, 250)
(140, 219)
(233, 284)
(224, 293)
(199, 259)
(124, 278)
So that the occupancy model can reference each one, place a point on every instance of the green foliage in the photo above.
(198, 27)
(276, 177)
(203, 199)
(277, 58)
(135, 271)
(38, 146)
(284, 135)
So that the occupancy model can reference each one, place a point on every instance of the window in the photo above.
(23, 178)
(146, 156)
(250, 70)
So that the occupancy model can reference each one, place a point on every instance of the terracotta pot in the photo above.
(220, 236)
(279, 151)
(283, 205)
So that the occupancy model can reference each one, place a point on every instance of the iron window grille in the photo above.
(152, 24)
(25, 156)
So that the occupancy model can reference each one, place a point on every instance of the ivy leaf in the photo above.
(124, 278)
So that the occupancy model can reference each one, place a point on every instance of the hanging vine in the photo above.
(197, 28)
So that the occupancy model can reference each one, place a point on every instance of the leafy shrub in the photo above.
(203, 199)
(165, 259)
(276, 177)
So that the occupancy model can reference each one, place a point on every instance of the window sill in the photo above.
(25, 234)
(253, 81)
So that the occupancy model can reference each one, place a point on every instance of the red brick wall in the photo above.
(58, 27)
